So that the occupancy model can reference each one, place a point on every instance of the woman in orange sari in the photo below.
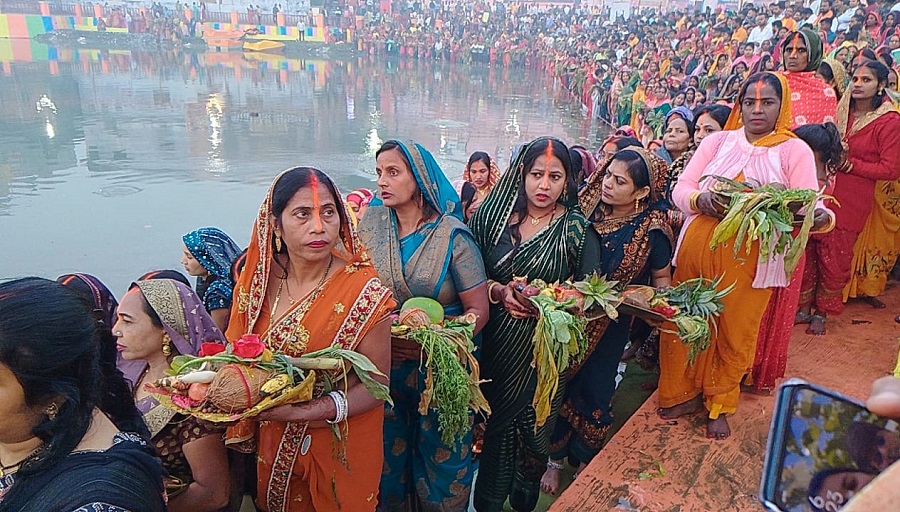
(309, 285)
(756, 145)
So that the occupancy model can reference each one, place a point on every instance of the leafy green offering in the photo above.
(766, 214)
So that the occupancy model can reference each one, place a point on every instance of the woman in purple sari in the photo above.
(157, 320)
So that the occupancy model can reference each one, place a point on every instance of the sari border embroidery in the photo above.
(283, 466)
(365, 305)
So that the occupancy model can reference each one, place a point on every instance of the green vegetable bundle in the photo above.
(558, 341)
(698, 301)
(766, 214)
(452, 382)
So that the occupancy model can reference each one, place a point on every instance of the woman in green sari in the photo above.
(420, 247)
(530, 225)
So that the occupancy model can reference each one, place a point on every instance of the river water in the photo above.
(138, 149)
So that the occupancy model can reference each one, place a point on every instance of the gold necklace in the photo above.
(306, 303)
(535, 220)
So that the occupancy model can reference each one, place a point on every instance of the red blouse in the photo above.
(875, 155)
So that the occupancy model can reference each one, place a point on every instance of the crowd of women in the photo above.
(81, 432)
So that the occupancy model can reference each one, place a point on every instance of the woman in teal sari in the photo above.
(420, 247)
(530, 225)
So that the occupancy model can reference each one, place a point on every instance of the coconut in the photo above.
(414, 317)
(236, 387)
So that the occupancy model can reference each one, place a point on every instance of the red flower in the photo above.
(210, 349)
(248, 347)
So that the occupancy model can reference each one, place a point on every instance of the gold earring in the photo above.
(277, 243)
(166, 345)
(637, 204)
(52, 411)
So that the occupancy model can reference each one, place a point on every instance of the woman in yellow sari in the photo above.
(309, 285)
(757, 145)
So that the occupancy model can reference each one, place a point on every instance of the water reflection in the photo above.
(140, 148)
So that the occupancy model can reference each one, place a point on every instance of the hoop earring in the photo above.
(166, 345)
(52, 411)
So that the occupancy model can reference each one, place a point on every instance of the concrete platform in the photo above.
(701, 474)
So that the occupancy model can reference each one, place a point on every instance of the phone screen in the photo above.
(826, 448)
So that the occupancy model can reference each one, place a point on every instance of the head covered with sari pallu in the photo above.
(251, 287)
(625, 240)
(814, 48)
(782, 130)
(215, 251)
(183, 319)
(839, 72)
(493, 170)
(843, 112)
(425, 269)
(509, 194)
(341, 312)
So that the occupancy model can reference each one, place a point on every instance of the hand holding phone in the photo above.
(823, 449)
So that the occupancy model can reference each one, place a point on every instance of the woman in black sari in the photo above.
(530, 225)
(626, 203)
(58, 449)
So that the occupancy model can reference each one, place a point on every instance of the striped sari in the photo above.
(515, 453)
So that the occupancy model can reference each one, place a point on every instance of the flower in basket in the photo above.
(248, 347)
(210, 349)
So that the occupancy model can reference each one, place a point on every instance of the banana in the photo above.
(275, 384)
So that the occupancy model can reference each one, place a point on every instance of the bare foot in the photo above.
(816, 326)
(718, 428)
(802, 318)
(550, 481)
(692, 406)
(579, 470)
(873, 301)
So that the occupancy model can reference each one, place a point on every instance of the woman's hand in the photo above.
(709, 205)
(515, 307)
(821, 219)
(883, 493)
(316, 410)
(403, 349)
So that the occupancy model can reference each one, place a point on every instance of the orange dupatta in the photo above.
(302, 468)
(782, 130)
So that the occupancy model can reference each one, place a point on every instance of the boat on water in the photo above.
(264, 46)
(227, 40)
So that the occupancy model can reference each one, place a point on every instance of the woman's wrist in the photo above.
(492, 286)
(692, 203)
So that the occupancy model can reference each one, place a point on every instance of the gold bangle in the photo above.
(692, 203)
(832, 222)
(491, 285)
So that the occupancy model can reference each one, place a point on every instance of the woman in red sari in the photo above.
(871, 129)
(309, 285)
(813, 101)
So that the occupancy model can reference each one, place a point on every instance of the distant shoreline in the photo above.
(147, 42)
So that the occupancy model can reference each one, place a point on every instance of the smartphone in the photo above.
(822, 449)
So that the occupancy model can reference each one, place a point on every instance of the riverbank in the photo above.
(657, 465)
(149, 43)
